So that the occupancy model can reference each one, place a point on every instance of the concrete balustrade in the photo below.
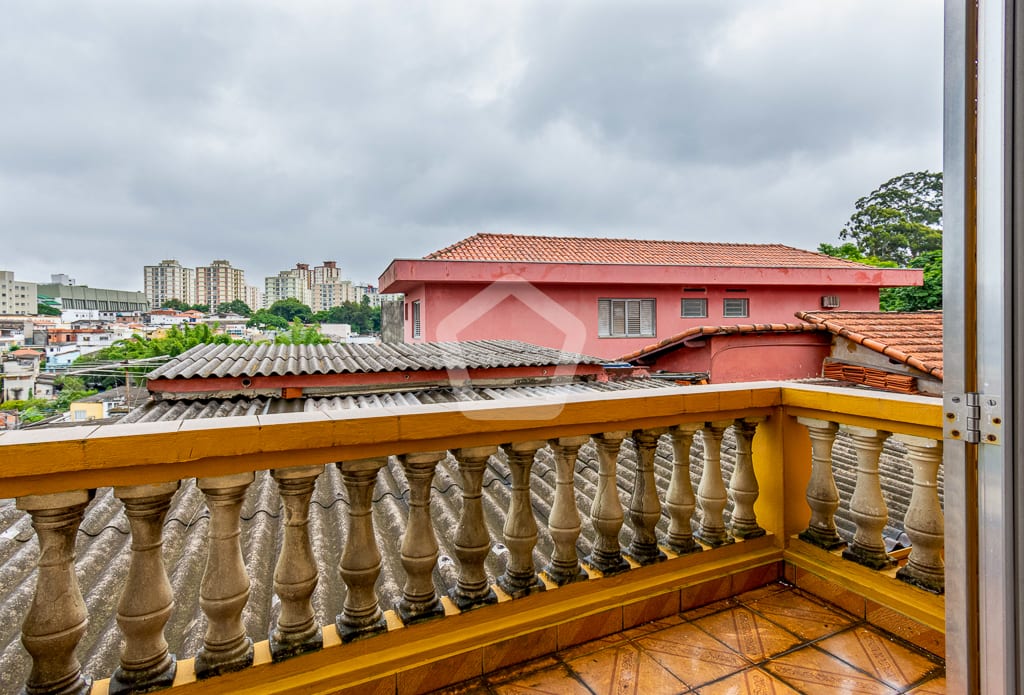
(57, 620)
(225, 587)
(147, 599)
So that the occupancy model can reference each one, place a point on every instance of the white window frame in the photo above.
(417, 320)
(736, 307)
(627, 318)
(702, 302)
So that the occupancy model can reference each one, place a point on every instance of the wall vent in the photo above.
(830, 301)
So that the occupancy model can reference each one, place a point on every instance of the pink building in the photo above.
(611, 297)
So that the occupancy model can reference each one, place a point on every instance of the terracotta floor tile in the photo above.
(553, 681)
(814, 671)
(692, 655)
(748, 633)
(653, 626)
(752, 680)
(626, 670)
(591, 647)
(873, 652)
(518, 671)
(936, 686)
(696, 613)
(800, 615)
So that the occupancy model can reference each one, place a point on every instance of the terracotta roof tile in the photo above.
(678, 339)
(913, 338)
(549, 249)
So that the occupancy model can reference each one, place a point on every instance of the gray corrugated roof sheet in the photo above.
(281, 360)
(162, 410)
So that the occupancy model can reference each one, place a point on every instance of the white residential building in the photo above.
(169, 280)
(219, 283)
(17, 297)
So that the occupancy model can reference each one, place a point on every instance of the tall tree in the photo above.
(235, 306)
(290, 309)
(900, 220)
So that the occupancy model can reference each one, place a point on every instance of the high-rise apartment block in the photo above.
(169, 280)
(218, 283)
(294, 283)
(253, 297)
(319, 288)
(17, 297)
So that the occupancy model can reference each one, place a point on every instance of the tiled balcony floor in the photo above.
(776, 639)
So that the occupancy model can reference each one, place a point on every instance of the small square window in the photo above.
(694, 308)
(736, 308)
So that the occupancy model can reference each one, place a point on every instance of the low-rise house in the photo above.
(20, 371)
(609, 297)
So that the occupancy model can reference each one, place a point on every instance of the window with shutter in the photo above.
(694, 308)
(416, 328)
(622, 318)
(736, 308)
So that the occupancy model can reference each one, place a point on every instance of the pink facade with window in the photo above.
(590, 301)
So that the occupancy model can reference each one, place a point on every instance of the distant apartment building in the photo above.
(294, 283)
(253, 297)
(218, 283)
(17, 297)
(169, 280)
(368, 291)
(319, 288)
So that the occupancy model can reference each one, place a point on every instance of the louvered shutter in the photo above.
(604, 321)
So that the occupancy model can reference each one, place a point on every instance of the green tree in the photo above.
(236, 306)
(362, 317)
(175, 304)
(298, 334)
(899, 220)
(290, 309)
(264, 319)
(923, 298)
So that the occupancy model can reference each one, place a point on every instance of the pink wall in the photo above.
(751, 357)
(564, 316)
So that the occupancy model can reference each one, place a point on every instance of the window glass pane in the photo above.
(647, 317)
(604, 322)
(618, 317)
(736, 308)
(695, 308)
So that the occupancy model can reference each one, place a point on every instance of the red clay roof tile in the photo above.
(549, 249)
(913, 338)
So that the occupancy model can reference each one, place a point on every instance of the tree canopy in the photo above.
(363, 318)
(290, 309)
(899, 224)
(235, 306)
(900, 220)
(179, 305)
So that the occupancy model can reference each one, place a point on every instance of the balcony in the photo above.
(682, 533)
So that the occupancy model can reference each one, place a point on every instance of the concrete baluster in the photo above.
(564, 520)
(867, 507)
(520, 531)
(472, 541)
(606, 510)
(822, 494)
(57, 618)
(644, 506)
(419, 545)
(361, 615)
(147, 599)
(295, 576)
(224, 590)
(743, 487)
(680, 500)
(924, 522)
(711, 495)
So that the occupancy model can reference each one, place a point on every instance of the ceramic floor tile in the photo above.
(761, 592)
(591, 646)
(748, 633)
(553, 681)
(936, 686)
(626, 670)
(814, 671)
(692, 655)
(800, 615)
(750, 681)
(873, 652)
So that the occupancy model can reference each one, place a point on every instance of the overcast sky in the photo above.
(270, 133)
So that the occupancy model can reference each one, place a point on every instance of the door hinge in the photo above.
(973, 418)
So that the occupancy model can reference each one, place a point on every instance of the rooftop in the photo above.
(550, 249)
(696, 332)
(913, 338)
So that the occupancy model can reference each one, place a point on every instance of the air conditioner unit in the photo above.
(830, 301)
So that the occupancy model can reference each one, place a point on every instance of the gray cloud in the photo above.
(269, 133)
